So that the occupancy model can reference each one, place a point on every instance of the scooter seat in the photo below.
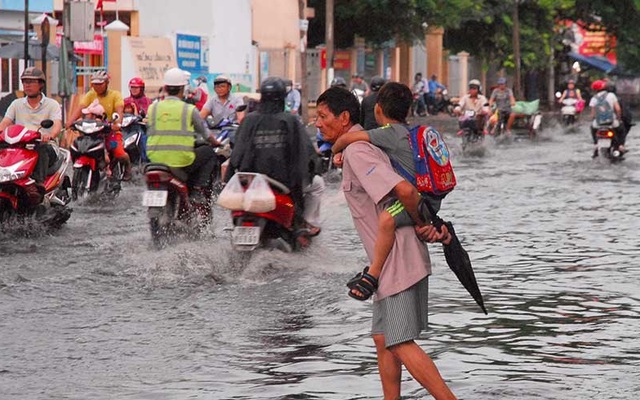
(177, 172)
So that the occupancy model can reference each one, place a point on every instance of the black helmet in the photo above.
(611, 87)
(339, 81)
(273, 89)
(376, 83)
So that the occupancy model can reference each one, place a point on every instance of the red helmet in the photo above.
(598, 85)
(136, 82)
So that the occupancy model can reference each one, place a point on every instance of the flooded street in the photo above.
(95, 312)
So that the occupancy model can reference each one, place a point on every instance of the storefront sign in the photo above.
(191, 53)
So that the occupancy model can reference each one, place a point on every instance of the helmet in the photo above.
(201, 79)
(221, 79)
(273, 89)
(94, 108)
(474, 83)
(502, 81)
(33, 73)
(136, 82)
(99, 76)
(339, 81)
(598, 85)
(376, 83)
(175, 77)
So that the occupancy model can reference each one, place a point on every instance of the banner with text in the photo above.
(151, 58)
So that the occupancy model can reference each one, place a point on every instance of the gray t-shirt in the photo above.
(393, 139)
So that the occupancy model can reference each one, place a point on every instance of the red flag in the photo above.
(99, 4)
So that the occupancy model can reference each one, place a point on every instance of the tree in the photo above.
(379, 21)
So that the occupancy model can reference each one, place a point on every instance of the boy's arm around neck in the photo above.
(348, 138)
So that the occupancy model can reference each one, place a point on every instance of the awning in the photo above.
(596, 62)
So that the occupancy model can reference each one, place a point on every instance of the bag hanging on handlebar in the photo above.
(232, 196)
(259, 197)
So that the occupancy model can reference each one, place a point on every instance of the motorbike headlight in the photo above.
(130, 140)
(8, 174)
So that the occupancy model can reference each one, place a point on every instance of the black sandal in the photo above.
(364, 283)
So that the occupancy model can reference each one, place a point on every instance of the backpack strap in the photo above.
(405, 174)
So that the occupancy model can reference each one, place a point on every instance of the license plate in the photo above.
(245, 235)
(154, 198)
(604, 142)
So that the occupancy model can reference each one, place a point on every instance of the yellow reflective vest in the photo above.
(171, 134)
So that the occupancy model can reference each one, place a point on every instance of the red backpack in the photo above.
(434, 174)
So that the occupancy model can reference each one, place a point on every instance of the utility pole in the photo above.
(26, 33)
(516, 51)
(304, 92)
(328, 38)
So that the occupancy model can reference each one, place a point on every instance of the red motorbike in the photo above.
(91, 174)
(18, 159)
(171, 206)
(274, 228)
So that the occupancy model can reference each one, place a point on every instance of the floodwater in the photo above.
(94, 312)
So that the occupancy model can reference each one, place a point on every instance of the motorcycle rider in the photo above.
(110, 99)
(137, 96)
(433, 85)
(503, 98)
(600, 88)
(358, 83)
(626, 115)
(571, 92)
(367, 115)
(173, 128)
(112, 137)
(223, 103)
(273, 142)
(29, 112)
(473, 101)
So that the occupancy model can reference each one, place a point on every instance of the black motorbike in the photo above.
(134, 138)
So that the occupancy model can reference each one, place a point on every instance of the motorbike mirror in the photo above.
(115, 117)
(46, 124)
(558, 95)
(241, 108)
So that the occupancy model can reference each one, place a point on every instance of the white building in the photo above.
(222, 26)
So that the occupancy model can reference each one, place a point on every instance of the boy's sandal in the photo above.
(364, 283)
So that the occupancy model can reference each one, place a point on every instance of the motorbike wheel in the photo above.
(80, 184)
(114, 184)
(161, 222)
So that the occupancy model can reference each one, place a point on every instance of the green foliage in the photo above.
(483, 28)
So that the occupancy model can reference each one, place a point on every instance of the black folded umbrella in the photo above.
(459, 262)
(457, 257)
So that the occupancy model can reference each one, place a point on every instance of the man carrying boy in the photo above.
(400, 306)
(391, 109)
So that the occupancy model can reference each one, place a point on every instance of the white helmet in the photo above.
(175, 77)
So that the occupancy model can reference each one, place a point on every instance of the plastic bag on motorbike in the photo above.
(232, 196)
(259, 197)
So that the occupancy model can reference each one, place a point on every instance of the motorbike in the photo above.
(134, 138)
(608, 144)
(472, 134)
(18, 159)
(224, 132)
(442, 103)
(90, 170)
(171, 206)
(274, 228)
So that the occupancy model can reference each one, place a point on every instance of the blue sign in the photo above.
(189, 53)
(34, 5)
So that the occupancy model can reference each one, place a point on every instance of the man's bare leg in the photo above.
(422, 368)
(389, 368)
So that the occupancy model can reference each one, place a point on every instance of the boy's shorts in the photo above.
(400, 215)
